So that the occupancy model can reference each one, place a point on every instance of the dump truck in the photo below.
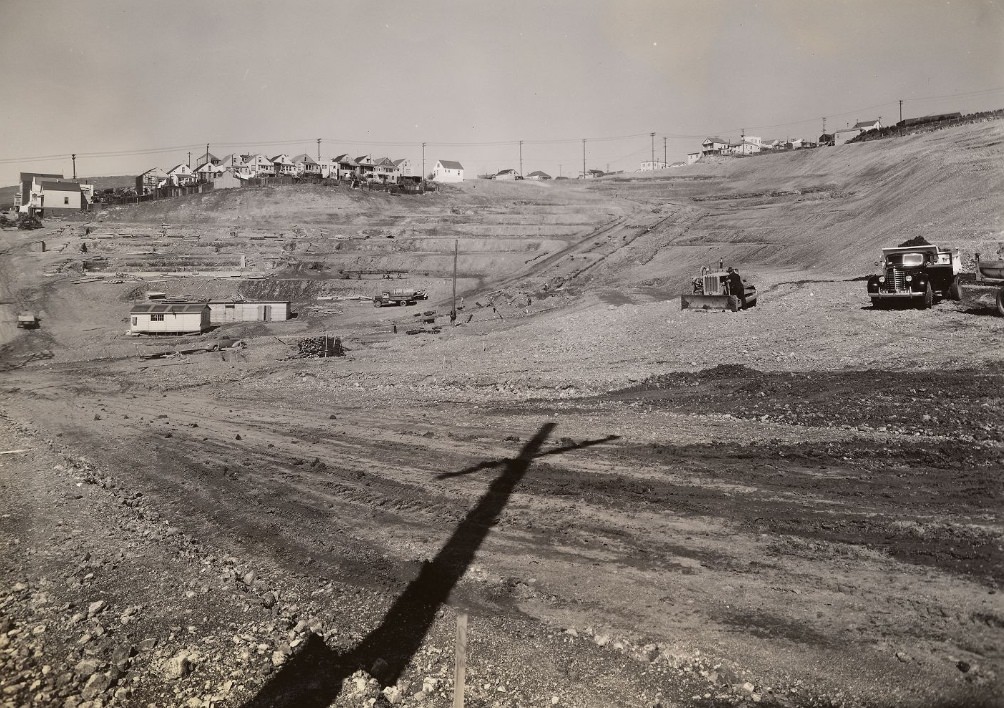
(990, 274)
(915, 274)
(399, 296)
(27, 320)
(722, 289)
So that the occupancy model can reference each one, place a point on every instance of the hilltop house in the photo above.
(181, 175)
(406, 168)
(283, 166)
(384, 170)
(448, 171)
(347, 167)
(538, 175)
(40, 192)
(236, 164)
(206, 157)
(864, 125)
(258, 165)
(305, 165)
(693, 157)
(507, 174)
(714, 146)
(842, 136)
(150, 180)
(649, 165)
(207, 171)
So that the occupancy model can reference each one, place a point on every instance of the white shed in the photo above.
(448, 171)
(169, 318)
(221, 311)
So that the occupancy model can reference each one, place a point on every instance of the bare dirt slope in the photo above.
(797, 504)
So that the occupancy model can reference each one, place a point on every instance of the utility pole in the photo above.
(901, 110)
(520, 158)
(583, 158)
(824, 125)
(423, 163)
(189, 159)
(664, 158)
(74, 156)
(318, 150)
(652, 135)
(207, 153)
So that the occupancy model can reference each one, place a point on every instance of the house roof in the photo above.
(27, 176)
(865, 123)
(155, 171)
(451, 165)
(181, 166)
(305, 158)
(538, 173)
(398, 163)
(715, 140)
(60, 186)
(174, 308)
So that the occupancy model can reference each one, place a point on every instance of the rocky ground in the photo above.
(634, 505)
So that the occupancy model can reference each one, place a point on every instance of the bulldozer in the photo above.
(718, 290)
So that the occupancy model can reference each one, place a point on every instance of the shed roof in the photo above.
(61, 186)
(451, 165)
(174, 308)
(865, 123)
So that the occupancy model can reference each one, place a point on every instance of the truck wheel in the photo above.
(955, 290)
(733, 303)
(1000, 301)
(928, 298)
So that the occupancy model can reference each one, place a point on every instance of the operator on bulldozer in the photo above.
(736, 286)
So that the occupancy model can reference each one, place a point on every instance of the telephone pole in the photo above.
(664, 153)
(583, 158)
(423, 163)
(824, 125)
(318, 150)
(189, 159)
(520, 158)
(652, 135)
(901, 110)
(74, 157)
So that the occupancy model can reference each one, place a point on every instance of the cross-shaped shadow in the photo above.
(313, 677)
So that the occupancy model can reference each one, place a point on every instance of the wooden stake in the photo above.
(460, 674)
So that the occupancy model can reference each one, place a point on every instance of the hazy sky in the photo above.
(150, 81)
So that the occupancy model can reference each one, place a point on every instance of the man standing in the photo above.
(736, 286)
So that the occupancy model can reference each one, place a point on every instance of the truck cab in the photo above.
(915, 274)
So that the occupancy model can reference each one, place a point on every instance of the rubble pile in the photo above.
(320, 346)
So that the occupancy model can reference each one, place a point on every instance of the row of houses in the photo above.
(752, 145)
(233, 170)
(41, 193)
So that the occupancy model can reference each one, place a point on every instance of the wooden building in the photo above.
(169, 318)
(222, 311)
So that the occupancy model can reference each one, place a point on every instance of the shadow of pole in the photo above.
(314, 676)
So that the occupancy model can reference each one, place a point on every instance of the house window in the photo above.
(134, 321)
(66, 200)
(157, 318)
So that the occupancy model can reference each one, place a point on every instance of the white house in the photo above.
(207, 172)
(283, 165)
(693, 157)
(305, 165)
(181, 175)
(59, 196)
(746, 148)
(864, 125)
(386, 171)
(407, 168)
(448, 171)
(650, 165)
(538, 175)
(169, 318)
(229, 178)
(221, 311)
(507, 174)
(714, 146)
(258, 165)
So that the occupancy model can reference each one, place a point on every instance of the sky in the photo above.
(130, 85)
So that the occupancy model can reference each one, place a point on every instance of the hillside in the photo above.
(637, 505)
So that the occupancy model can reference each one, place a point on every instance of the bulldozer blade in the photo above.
(704, 302)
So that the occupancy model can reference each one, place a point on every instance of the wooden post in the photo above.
(460, 673)
(456, 251)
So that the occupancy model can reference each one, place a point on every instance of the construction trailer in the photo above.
(223, 311)
(169, 318)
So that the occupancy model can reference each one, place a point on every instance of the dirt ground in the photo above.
(794, 505)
